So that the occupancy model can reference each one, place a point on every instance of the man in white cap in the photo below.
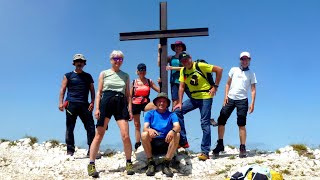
(240, 80)
(78, 83)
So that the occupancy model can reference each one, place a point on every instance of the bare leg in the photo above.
(137, 125)
(221, 130)
(173, 145)
(95, 145)
(146, 143)
(149, 106)
(124, 131)
(242, 134)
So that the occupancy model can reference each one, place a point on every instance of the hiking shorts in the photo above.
(159, 146)
(137, 108)
(242, 109)
(113, 104)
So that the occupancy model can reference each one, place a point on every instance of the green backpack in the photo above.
(208, 76)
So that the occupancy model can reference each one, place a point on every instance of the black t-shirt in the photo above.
(78, 86)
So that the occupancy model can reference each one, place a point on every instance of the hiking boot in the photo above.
(98, 156)
(218, 149)
(166, 169)
(70, 153)
(151, 168)
(92, 170)
(185, 145)
(203, 157)
(137, 145)
(243, 151)
(129, 168)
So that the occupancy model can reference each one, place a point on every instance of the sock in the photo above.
(91, 162)
(220, 141)
(129, 161)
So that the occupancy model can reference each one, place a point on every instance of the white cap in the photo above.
(245, 54)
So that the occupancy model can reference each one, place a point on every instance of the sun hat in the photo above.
(162, 95)
(184, 48)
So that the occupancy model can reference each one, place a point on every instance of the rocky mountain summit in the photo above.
(25, 159)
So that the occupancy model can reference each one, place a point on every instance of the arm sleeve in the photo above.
(253, 78)
(174, 118)
(205, 68)
(231, 72)
(147, 117)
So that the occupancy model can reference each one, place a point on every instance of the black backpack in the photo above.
(208, 76)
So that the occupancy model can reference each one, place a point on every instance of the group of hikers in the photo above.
(163, 129)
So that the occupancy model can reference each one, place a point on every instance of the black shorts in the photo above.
(242, 109)
(113, 104)
(137, 108)
(159, 146)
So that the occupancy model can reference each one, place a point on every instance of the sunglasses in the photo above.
(118, 59)
(142, 70)
(245, 58)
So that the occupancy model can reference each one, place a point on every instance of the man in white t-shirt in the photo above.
(240, 80)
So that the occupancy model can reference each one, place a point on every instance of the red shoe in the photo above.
(186, 145)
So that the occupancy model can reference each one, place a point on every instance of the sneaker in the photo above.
(151, 168)
(186, 145)
(243, 151)
(98, 156)
(213, 122)
(129, 168)
(166, 169)
(218, 149)
(137, 145)
(203, 157)
(92, 171)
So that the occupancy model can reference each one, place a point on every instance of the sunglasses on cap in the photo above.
(118, 59)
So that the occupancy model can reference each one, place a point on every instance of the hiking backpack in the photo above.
(208, 76)
(133, 91)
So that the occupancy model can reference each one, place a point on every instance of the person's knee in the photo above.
(176, 138)
(222, 120)
(241, 121)
(145, 136)
(137, 124)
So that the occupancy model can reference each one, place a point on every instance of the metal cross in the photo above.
(163, 34)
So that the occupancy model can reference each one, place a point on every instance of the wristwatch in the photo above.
(173, 130)
(216, 86)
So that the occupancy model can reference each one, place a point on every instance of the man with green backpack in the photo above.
(201, 97)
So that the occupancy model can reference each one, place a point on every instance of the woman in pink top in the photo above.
(139, 92)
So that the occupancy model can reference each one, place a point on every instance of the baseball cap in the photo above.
(184, 55)
(79, 57)
(245, 54)
(141, 67)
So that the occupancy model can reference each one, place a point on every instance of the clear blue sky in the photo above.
(38, 39)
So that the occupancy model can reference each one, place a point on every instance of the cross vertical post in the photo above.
(163, 34)
(164, 49)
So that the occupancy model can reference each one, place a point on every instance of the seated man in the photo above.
(160, 134)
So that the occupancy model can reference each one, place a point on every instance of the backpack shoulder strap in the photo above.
(200, 72)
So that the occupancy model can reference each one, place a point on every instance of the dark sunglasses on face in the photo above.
(118, 59)
(245, 58)
(79, 60)
(142, 70)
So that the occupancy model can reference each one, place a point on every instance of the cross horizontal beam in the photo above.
(173, 33)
